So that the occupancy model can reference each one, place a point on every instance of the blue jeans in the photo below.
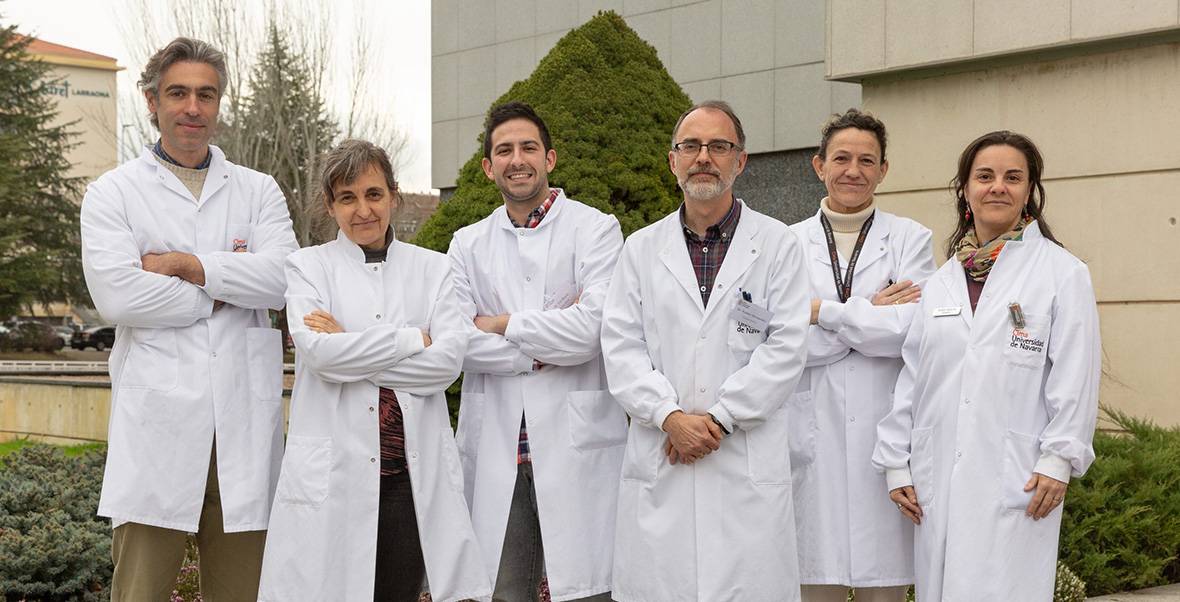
(522, 561)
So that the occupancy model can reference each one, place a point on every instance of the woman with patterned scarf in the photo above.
(995, 408)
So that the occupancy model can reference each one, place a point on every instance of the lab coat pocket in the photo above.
(768, 448)
(801, 417)
(307, 466)
(264, 353)
(1021, 452)
(450, 459)
(595, 420)
(742, 342)
(644, 454)
(922, 463)
(1028, 346)
(152, 361)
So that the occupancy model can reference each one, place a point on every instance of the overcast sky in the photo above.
(400, 31)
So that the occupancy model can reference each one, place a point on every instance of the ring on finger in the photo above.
(899, 507)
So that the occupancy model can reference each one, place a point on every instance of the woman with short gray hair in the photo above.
(370, 499)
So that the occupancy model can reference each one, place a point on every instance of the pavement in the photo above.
(1166, 593)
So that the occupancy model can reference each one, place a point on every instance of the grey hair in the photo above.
(345, 163)
(717, 105)
(181, 50)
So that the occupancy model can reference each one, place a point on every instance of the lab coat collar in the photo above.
(500, 216)
(217, 176)
(741, 254)
(354, 253)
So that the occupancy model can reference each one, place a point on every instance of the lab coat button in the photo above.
(214, 354)
(414, 456)
(958, 454)
(852, 419)
(702, 336)
(702, 389)
(374, 268)
(372, 409)
(967, 401)
(378, 316)
(372, 459)
(528, 278)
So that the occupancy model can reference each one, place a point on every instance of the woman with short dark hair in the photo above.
(866, 267)
(996, 407)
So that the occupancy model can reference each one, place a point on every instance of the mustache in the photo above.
(705, 170)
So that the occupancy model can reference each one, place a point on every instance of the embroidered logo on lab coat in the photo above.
(1025, 341)
(239, 245)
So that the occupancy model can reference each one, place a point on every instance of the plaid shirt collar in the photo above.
(723, 229)
(536, 215)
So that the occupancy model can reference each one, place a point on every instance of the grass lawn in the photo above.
(8, 447)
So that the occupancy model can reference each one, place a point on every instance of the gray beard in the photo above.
(700, 191)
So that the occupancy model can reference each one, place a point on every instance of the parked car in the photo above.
(33, 336)
(65, 333)
(99, 337)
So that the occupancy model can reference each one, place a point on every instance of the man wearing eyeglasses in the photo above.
(703, 337)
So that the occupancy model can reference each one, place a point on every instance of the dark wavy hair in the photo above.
(852, 118)
(1035, 206)
(508, 111)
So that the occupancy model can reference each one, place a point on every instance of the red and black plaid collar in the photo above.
(536, 215)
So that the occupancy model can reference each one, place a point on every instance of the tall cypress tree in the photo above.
(40, 258)
(610, 106)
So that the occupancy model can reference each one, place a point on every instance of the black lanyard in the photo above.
(844, 285)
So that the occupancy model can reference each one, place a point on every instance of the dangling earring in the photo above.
(967, 213)
(1025, 211)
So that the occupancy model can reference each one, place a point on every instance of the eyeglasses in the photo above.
(717, 148)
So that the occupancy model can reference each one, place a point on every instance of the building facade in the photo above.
(1095, 85)
(766, 58)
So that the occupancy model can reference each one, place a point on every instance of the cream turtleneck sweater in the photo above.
(846, 226)
(193, 179)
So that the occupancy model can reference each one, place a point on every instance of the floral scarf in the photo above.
(977, 260)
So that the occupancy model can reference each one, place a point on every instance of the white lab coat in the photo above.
(181, 372)
(849, 534)
(980, 406)
(322, 542)
(722, 528)
(576, 430)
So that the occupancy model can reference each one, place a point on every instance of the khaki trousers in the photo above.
(839, 593)
(148, 559)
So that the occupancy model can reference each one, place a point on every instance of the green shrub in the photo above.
(52, 545)
(1121, 528)
(610, 106)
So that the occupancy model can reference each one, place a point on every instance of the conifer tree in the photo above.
(40, 258)
(610, 106)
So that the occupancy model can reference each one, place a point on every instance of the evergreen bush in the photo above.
(1121, 528)
(52, 545)
(610, 106)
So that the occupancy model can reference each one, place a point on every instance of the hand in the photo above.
(907, 503)
(425, 338)
(692, 436)
(815, 304)
(182, 265)
(322, 321)
(493, 324)
(898, 293)
(1050, 494)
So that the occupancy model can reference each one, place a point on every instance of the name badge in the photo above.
(940, 312)
(750, 317)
